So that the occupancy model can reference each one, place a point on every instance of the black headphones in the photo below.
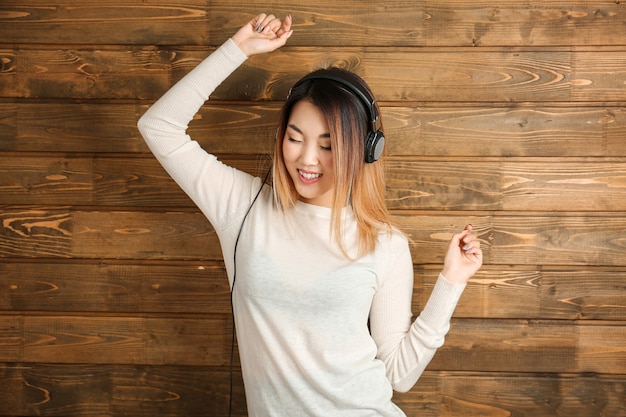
(375, 139)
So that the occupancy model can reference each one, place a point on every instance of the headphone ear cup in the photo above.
(374, 145)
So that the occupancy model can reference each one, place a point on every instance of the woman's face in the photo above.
(308, 156)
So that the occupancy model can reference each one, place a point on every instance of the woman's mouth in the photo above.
(308, 176)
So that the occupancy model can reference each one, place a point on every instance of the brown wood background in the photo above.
(509, 115)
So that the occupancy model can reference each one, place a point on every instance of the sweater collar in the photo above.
(320, 211)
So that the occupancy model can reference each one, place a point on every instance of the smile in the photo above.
(309, 175)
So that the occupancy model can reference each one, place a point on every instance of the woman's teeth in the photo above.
(309, 176)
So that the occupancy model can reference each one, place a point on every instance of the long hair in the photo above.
(357, 183)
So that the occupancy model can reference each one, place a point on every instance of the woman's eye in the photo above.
(293, 140)
(326, 148)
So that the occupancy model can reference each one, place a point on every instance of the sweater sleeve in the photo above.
(220, 191)
(407, 347)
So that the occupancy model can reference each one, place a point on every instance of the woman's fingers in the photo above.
(270, 24)
(285, 27)
(267, 23)
(264, 33)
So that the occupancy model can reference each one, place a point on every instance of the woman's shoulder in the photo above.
(392, 239)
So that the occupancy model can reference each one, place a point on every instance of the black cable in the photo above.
(232, 290)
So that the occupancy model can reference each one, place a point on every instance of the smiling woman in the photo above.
(510, 115)
(321, 282)
(307, 155)
(349, 114)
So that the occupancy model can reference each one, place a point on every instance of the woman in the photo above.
(321, 281)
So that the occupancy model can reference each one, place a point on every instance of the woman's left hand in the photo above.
(464, 257)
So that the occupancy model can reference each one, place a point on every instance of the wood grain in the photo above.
(58, 390)
(135, 288)
(398, 22)
(78, 390)
(424, 76)
(494, 395)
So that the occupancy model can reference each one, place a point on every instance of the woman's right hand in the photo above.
(264, 33)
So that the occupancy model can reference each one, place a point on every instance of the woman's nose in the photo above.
(308, 154)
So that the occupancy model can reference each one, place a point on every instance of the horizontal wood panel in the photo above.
(528, 239)
(540, 293)
(535, 293)
(115, 288)
(116, 340)
(63, 390)
(493, 395)
(523, 240)
(549, 185)
(471, 345)
(532, 346)
(128, 235)
(398, 22)
(555, 185)
(88, 390)
(443, 130)
(419, 75)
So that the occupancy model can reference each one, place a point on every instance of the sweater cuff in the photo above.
(233, 52)
(441, 304)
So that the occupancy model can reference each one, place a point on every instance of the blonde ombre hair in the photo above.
(358, 184)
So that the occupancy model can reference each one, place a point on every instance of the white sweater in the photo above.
(301, 308)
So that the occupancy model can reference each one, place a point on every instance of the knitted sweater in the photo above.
(318, 334)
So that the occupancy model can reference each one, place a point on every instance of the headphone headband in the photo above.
(375, 140)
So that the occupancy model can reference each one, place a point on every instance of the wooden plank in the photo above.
(55, 390)
(534, 293)
(119, 340)
(63, 390)
(50, 180)
(511, 131)
(43, 126)
(418, 75)
(202, 288)
(79, 390)
(602, 348)
(399, 22)
(534, 22)
(553, 185)
(493, 395)
(509, 345)
(426, 130)
(36, 233)
(592, 239)
(101, 23)
(192, 288)
(523, 240)
(441, 23)
(472, 345)
(532, 346)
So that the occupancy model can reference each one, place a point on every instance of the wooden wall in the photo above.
(508, 115)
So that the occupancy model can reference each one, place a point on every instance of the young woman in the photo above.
(321, 281)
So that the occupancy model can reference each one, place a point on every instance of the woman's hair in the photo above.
(357, 183)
